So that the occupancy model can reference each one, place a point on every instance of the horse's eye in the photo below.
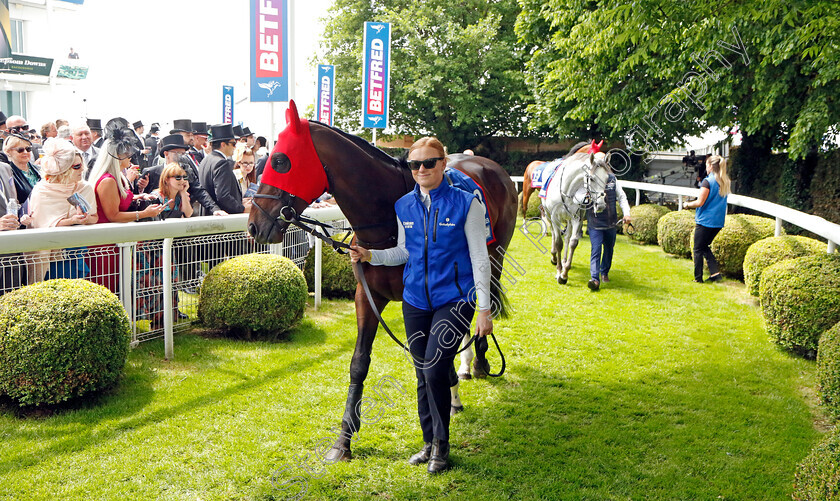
(280, 163)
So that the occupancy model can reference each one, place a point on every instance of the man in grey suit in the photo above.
(83, 141)
(216, 172)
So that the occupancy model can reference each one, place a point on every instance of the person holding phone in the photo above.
(50, 206)
(173, 192)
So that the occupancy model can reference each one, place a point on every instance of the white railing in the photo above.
(815, 224)
(127, 235)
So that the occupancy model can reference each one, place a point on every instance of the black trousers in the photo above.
(433, 340)
(703, 237)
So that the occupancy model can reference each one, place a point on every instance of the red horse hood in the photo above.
(306, 177)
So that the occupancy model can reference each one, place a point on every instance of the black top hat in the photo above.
(154, 128)
(237, 131)
(94, 124)
(200, 128)
(221, 132)
(181, 126)
(247, 132)
(2, 118)
(172, 142)
(137, 124)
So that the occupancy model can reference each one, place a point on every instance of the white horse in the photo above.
(577, 185)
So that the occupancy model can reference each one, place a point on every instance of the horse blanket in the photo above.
(458, 179)
(543, 174)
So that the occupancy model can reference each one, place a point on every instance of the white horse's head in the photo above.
(595, 183)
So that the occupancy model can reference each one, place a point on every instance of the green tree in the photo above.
(457, 70)
(660, 70)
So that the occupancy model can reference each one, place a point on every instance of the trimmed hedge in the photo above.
(800, 299)
(818, 476)
(337, 279)
(645, 217)
(673, 232)
(738, 233)
(534, 203)
(771, 250)
(61, 339)
(828, 369)
(256, 295)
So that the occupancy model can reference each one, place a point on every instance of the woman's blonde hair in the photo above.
(717, 164)
(431, 142)
(108, 163)
(240, 151)
(12, 142)
(171, 169)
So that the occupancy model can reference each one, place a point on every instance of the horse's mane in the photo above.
(367, 147)
(574, 149)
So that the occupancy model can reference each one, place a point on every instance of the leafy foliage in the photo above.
(645, 218)
(828, 369)
(253, 295)
(800, 299)
(673, 232)
(737, 235)
(771, 250)
(60, 339)
(456, 67)
(818, 476)
(337, 279)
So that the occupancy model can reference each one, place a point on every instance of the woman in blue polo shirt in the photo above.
(443, 245)
(710, 216)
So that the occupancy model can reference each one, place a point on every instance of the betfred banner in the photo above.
(227, 104)
(377, 68)
(326, 93)
(269, 50)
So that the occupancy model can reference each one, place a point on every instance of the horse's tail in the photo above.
(498, 294)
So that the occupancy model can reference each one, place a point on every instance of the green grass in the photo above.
(653, 388)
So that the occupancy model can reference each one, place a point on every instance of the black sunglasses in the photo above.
(428, 163)
(27, 149)
(179, 178)
(76, 166)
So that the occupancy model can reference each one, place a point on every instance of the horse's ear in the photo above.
(599, 144)
(592, 158)
(292, 117)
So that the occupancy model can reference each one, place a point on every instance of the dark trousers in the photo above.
(433, 340)
(601, 261)
(703, 237)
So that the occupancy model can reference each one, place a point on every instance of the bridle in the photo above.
(289, 215)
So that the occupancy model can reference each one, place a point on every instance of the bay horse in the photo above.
(310, 158)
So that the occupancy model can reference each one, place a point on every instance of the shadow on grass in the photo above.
(136, 384)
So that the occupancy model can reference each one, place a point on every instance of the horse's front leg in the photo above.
(573, 235)
(557, 250)
(367, 324)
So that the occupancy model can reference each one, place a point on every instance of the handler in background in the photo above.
(602, 230)
(443, 244)
(710, 216)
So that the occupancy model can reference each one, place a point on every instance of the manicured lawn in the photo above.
(653, 388)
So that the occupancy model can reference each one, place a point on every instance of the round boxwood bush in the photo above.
(645, 217)
(800, 299)
(61, 339)
(738, 233)
(818, 476)
(255, 295)
(673, 232)
(828, 369)
(771, 250)
(337, 279)
(534, 203)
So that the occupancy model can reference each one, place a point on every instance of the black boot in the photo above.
(439, 460)
(422, 456)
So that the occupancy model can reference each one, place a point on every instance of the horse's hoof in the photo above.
(336, 454)
(554, 261)
(562, 281)
(455, 409)
(464, 375)
(481, 369)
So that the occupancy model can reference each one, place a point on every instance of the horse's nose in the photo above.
(252, 229)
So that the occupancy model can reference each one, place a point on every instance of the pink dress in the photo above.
(105, 259)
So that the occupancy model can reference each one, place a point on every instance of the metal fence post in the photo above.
(168, 341)
(831, 247)
(638, 196)
(680, 203)
(318, 245)
(778, 227)
(126, 281)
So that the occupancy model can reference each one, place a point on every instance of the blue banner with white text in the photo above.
(227, 104)
(326, 94)
(269, 50)
(377, 70)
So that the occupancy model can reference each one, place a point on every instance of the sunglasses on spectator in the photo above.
(428, 163)
(19, 128)
(27, 149)
(76, 166)
(247, 163)
(179, 178)
(233, 143)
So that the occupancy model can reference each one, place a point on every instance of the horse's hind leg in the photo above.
(466, 360)
(360, 363)
(557, 239)
(526, 194)
(575, 230)
(455, 405)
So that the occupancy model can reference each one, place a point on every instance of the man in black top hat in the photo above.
(141, 157)
(216, 171)
(200, 134)
(248, 136)
(95, 126)
(151, 143)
